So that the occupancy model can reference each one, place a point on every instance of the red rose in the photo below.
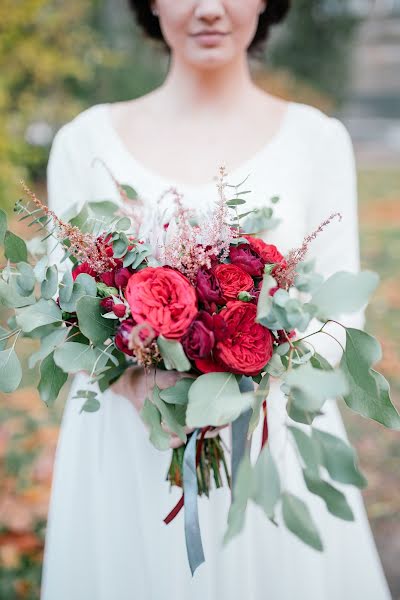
(247, 259)
(248, 347)
(83, 268)
(232, 280)
(199, 339)
(268, 252)
(208, 365)
(163, 298)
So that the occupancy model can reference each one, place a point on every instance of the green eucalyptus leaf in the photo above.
(130, 191)
(103, 209)
(319, 362)
(49, 285)
(339, 458)
(308, 448)
(44, 312)
(311, 387)
(173, 354)
(264, 304)
(332, 302)
(369, 392)
(73, 357)
(123, 224)
(275, 367)
(91, 404)
(168, 415)
(25, 280)
(3, 339)
(242, 491)
(152, 418)
(299, 521)
(266, 487)
(178, 393)
(120, 245)
(52, 378)
(215, 399)
(15, 248)
(84, 285)
(259, 397)
(10, 370)
(335, 500)
(48, 344)
(10, 296)
(91, 322)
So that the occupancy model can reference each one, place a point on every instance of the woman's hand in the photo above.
(175, 441)
(136, 385)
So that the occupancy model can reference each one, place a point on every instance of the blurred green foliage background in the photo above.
(57, 58)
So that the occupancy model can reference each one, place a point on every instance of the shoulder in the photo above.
(81, 129)
(75, 142)
(318, 127)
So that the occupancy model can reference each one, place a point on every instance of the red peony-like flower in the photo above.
(247, 259)
(268, 252)
(248, 347)
(232, 280)
(164, 298)
(83, 268)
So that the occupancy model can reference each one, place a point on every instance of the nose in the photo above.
(209, 10)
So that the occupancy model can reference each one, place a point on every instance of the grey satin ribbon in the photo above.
(194, 546)
(239, 432)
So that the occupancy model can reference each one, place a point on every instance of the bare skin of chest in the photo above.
(184, 148)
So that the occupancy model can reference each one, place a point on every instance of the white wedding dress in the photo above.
(106, 539)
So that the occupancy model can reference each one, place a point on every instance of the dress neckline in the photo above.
(232, 175)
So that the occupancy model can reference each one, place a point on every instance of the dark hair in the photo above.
(275, 12)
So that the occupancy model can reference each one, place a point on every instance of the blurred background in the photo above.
(56, 59)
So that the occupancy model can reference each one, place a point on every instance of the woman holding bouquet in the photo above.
(106, 538)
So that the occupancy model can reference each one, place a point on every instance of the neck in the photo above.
(188, 89)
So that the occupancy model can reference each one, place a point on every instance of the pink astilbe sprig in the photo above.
(86, 247)
(192, 247)
(285, 273)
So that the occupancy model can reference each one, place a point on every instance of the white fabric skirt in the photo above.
(106, 539)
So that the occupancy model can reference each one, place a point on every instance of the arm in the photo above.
(337, 247)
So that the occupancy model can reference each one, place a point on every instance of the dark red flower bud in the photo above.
(119, 310)
(121, 277)
(208, 289)
(122, 336)
(199, 340)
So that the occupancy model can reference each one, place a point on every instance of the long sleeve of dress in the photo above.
(334, 190)
(66, 182)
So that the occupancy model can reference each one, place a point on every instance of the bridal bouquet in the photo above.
(225, 309)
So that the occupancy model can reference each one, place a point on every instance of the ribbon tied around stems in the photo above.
(188, 500)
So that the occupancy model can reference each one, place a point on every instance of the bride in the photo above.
(106, 539)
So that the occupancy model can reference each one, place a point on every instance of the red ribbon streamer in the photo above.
(265, 426)
(179, 505)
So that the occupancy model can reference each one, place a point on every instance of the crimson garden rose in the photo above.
(268, 252)
(199, 338)
(248, 347)
(232, 280)
(164, 298)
